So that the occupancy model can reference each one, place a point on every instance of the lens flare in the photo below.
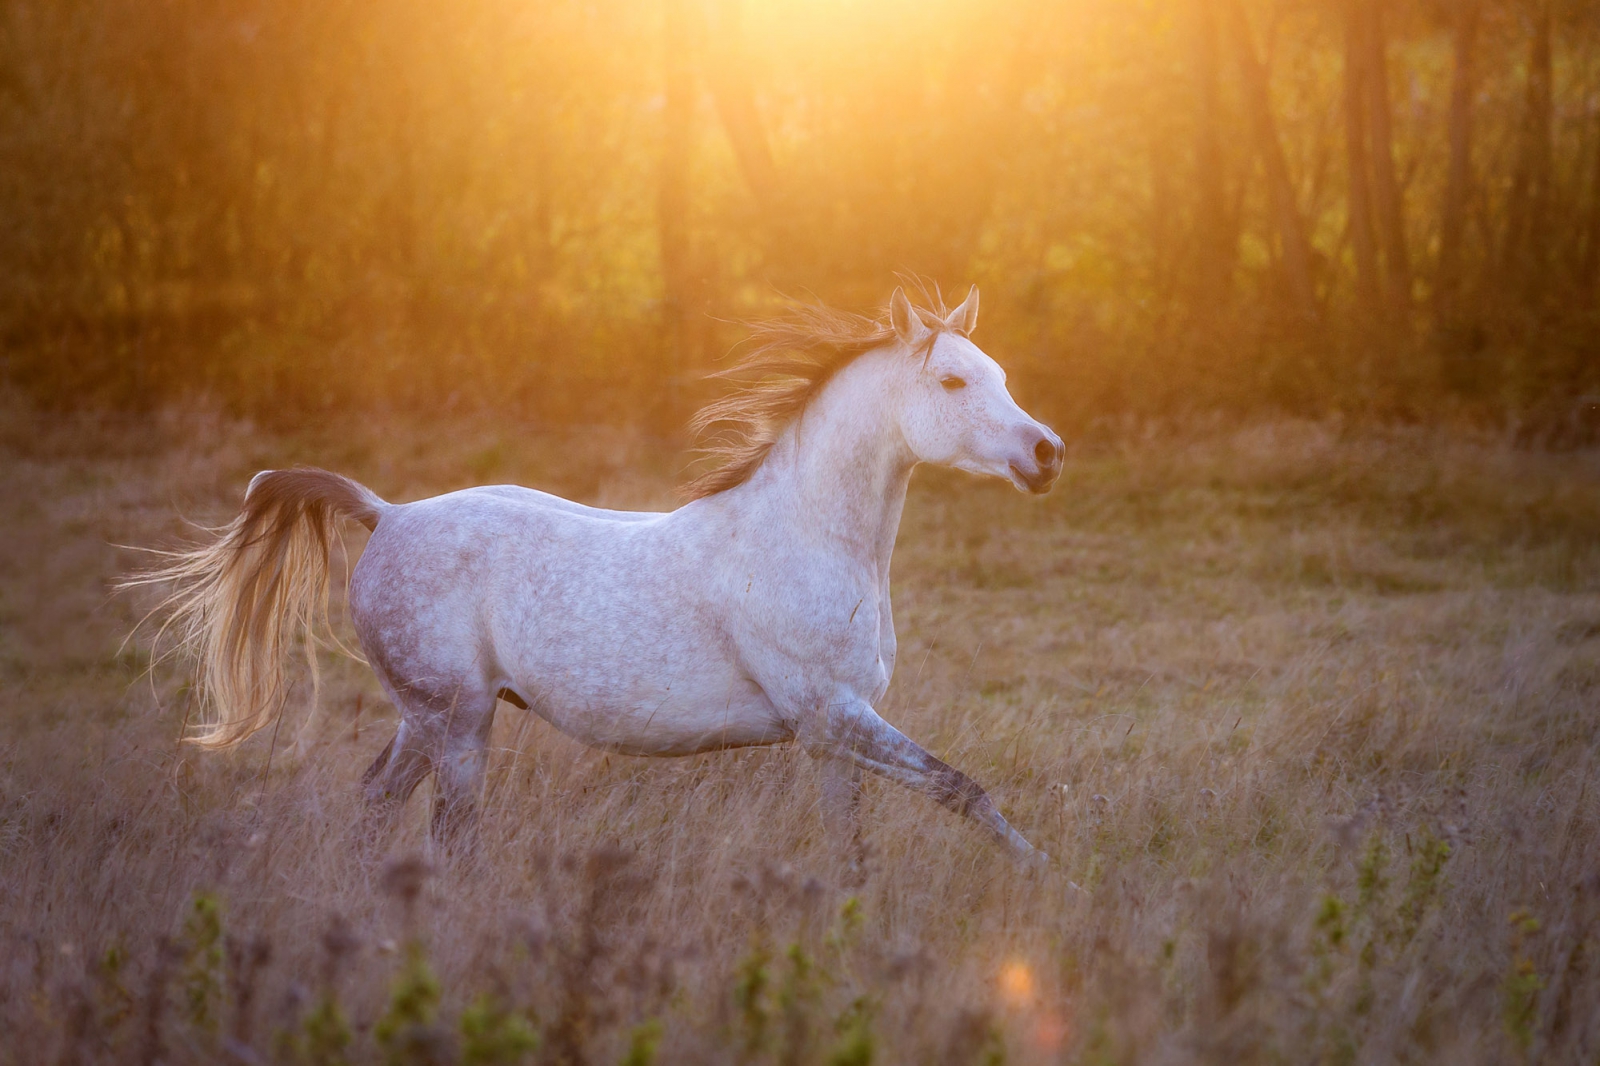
(1017, 985)
(1049, 1031)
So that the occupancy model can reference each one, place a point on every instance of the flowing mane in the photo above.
(787, 360)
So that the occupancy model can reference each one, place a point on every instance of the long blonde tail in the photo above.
(239, 604)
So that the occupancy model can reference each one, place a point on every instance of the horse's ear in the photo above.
(904, 318)
(964, 319)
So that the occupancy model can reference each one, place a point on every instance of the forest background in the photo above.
(1385, 208)
(1294, 674)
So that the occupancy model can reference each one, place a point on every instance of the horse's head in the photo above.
(954, 407)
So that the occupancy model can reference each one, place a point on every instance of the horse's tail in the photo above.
(239, 603)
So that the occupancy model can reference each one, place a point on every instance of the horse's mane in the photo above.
(785, 362)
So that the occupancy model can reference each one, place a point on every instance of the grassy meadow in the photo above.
(1305, 714)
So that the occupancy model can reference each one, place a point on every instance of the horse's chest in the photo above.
(816, 639)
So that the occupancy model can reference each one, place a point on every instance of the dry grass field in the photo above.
(1309, 714)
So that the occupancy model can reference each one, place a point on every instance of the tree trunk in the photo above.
(1216, 247)
(1294, 249)
(1589, 263)
(1166, 258)
(1528, 208)
(402, 223)
(1541, 133)
(672, 207)
(539, 136)
(1355, 141)
(728, 76)
(1388, 209)
(1452, 223)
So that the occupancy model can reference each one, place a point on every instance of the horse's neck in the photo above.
(842, 468)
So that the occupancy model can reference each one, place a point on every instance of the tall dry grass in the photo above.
(1309, 714)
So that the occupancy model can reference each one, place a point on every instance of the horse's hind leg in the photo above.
(388, 783)
(397, 772)
(378, 764)
(452, 741)
(460, 765)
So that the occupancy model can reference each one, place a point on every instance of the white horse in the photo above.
(757, 613)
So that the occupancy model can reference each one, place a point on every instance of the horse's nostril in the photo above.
(1045, 452)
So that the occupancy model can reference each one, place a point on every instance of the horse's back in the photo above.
(536, 498)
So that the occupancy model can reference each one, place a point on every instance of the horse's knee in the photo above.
(955, 791)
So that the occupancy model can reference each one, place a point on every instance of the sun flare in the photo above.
(1017, 985)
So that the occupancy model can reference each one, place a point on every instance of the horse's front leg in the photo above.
(851, 731)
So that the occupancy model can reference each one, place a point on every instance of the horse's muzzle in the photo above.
(1047, 458)
(1039, 481)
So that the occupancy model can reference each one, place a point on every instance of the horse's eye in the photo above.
(952, 383)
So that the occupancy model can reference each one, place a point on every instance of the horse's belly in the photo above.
(643, 720)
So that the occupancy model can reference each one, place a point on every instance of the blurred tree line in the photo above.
(564, 207)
